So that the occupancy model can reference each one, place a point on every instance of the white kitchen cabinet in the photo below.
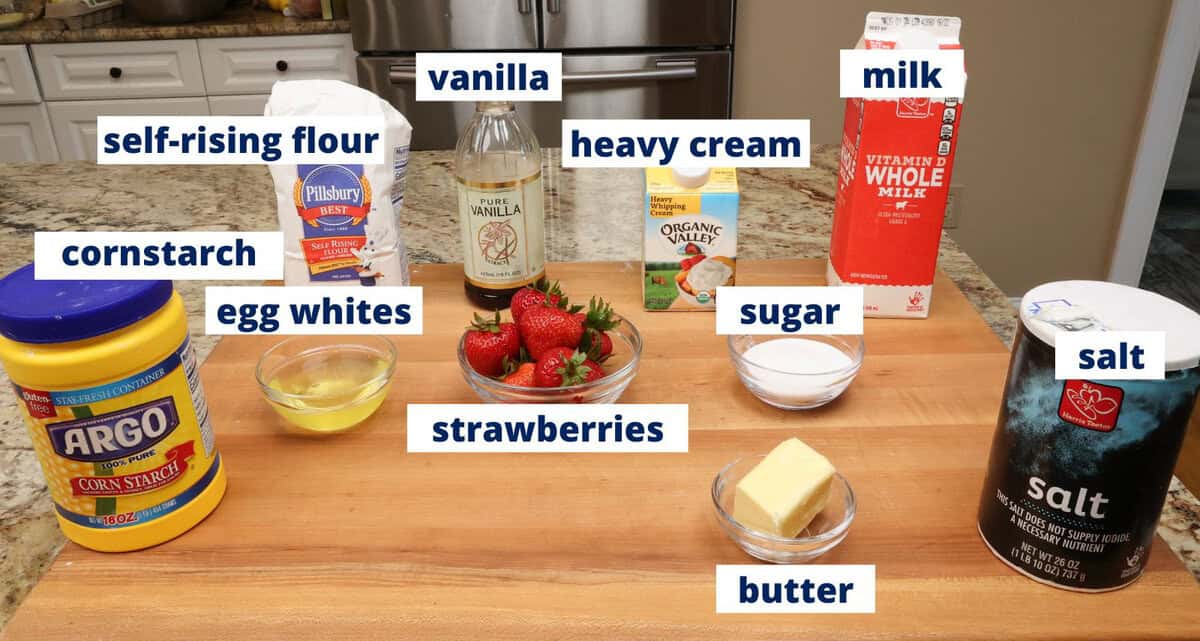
(18, 85)
(252, 65)
(74, 123)
(143, 69)
(238, 105)
(25, 134)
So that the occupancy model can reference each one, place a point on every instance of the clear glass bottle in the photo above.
(498, 165)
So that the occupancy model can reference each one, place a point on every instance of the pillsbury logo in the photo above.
(332, 195)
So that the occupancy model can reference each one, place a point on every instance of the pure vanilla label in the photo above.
(503, 239)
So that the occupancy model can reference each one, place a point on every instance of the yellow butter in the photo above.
(784, 492)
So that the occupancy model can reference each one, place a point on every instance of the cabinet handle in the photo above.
(114, 72)
(281, 65)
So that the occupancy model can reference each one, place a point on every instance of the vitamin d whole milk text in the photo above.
(1079, 469)
(110, 390)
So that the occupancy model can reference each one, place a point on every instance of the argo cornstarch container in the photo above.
(1079, 469)
(110, 389)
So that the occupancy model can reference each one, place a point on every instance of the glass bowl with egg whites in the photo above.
(796, 372)
(326, 384)
(620, 368)
(825, 532)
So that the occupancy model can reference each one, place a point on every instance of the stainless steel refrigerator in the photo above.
(621, 58)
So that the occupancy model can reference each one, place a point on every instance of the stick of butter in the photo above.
(784, 492)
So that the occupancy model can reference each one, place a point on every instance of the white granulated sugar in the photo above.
(784, 358)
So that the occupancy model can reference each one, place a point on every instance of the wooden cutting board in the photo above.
(351, 538)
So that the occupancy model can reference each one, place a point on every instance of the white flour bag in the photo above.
(341, 223)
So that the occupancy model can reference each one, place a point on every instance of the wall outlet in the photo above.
(954, 206)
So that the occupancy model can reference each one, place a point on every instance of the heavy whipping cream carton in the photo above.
(690, 237)
(894, 178)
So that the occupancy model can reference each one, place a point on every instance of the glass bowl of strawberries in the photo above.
(551, 352)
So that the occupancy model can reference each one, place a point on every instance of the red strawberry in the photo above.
(540, 293)
(522, 376)
(596, 344)
(545, 327)
(562, 366)
(488, 342)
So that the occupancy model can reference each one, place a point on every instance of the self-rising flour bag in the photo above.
(894, 178)
(341, 223)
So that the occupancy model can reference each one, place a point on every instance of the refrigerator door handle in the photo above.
(554, 6)
(525, 7)
(403, 74)
(665, 70)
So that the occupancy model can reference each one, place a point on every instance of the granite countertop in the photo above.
(590, 215)
(237, 20)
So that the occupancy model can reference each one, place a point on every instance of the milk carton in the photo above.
(894, 178)
(690, 238)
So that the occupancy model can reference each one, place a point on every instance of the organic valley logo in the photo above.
(1090, 405)
(698, 231)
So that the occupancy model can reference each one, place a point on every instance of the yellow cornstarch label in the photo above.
(128, 451)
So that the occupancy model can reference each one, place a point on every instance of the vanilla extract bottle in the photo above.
(498, 166)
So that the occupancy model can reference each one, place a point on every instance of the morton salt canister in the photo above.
(108, 383)
(1079, 469)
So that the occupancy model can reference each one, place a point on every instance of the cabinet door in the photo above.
(238, 105)
(74, 123)
(252, 65)
(25, 134)
(143, 69)
(17, 82)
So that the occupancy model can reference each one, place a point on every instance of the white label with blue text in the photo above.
(1110, 355)
(239, 140)
(790, 310)
(525, 77)
(544, 428)
(326, 309)
(685, 143)
(795, 589)
(158, 255)
(902, 73)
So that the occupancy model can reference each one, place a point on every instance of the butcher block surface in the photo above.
(350, 538)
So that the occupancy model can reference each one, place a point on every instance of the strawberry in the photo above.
(540, 293)
(598, 320)
(596, 344)
(563, 366)
(488, 342)
(522, 376)
(543, 327)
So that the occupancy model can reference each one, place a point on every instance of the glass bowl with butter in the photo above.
(796, 372)
(326, 384)
(759, 499)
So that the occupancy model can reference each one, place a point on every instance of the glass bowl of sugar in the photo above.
(796, 372)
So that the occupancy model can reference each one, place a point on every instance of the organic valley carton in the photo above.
(691, 237)
(893, 179)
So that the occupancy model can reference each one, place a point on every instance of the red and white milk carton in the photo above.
(894, 178)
